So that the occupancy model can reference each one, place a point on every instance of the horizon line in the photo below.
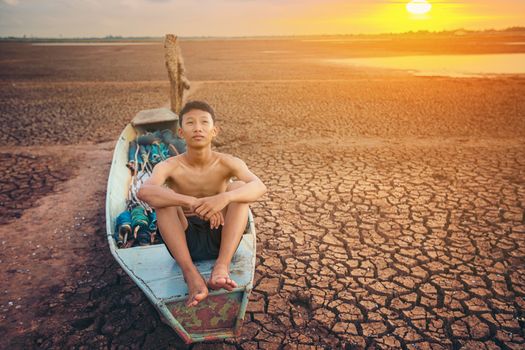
(190, 37)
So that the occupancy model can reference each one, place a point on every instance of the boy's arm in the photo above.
(156, 195)
(249, 192)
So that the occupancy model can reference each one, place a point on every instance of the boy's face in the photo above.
(198, 129)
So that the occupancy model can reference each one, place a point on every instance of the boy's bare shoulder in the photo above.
(230, 160)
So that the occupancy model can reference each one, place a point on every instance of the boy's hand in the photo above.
(216, 220)
(208, 206)
(191, 204)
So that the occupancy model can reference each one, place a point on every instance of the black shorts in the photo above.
(203, 242)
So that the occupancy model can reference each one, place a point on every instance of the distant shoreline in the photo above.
(456, 32)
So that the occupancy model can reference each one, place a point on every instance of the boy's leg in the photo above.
(172, 225)
(235, 220)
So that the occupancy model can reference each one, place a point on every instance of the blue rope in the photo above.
(169, 138)
(138, 225)
(139, 218)
(131, 153)
(155, 154)
(152, 222)
(122, 227)
(148, 139)
(164, 150)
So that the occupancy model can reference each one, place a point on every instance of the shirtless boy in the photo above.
(201, 214)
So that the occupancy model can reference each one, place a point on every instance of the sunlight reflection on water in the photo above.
(444, 65)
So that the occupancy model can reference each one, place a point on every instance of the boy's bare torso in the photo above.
(200, 181)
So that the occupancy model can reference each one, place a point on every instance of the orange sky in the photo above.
(392, 16)
(53, 18)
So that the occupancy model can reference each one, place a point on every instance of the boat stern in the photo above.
(219, 316)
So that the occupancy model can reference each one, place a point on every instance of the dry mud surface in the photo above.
(394, 218)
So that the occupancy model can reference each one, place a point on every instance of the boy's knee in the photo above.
(166, 211)
(234, 185)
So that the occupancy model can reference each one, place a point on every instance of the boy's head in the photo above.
(197, 124)
(200, 105)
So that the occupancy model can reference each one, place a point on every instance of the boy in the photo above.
(199, 200)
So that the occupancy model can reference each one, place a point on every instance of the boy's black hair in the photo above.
(200, 105)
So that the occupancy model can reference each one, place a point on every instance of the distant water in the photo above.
(95, 43)
(275, 51)
(445, 65)
(346, 40)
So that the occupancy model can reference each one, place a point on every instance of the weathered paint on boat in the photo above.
(157, 274)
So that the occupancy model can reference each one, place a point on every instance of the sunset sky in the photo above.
(82, 18)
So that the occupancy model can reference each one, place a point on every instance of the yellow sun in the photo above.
(418, 7)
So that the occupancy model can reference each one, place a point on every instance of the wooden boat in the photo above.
(157, 274)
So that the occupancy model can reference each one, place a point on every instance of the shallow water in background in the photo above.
(120, 43)
(444, 65)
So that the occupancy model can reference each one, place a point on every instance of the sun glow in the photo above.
(418, 7)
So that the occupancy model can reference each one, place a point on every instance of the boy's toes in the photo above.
(220, 278)
(201, 295)
(197, 290)
(196, 298)
(218, 282)
(232, 283)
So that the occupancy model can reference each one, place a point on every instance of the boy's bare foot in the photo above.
(220, 278)
(197, 290)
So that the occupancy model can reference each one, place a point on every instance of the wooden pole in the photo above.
(176, 72)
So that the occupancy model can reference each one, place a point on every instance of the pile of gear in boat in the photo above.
(137, 225)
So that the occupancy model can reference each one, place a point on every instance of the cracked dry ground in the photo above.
(389, 222)
(400, 242)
